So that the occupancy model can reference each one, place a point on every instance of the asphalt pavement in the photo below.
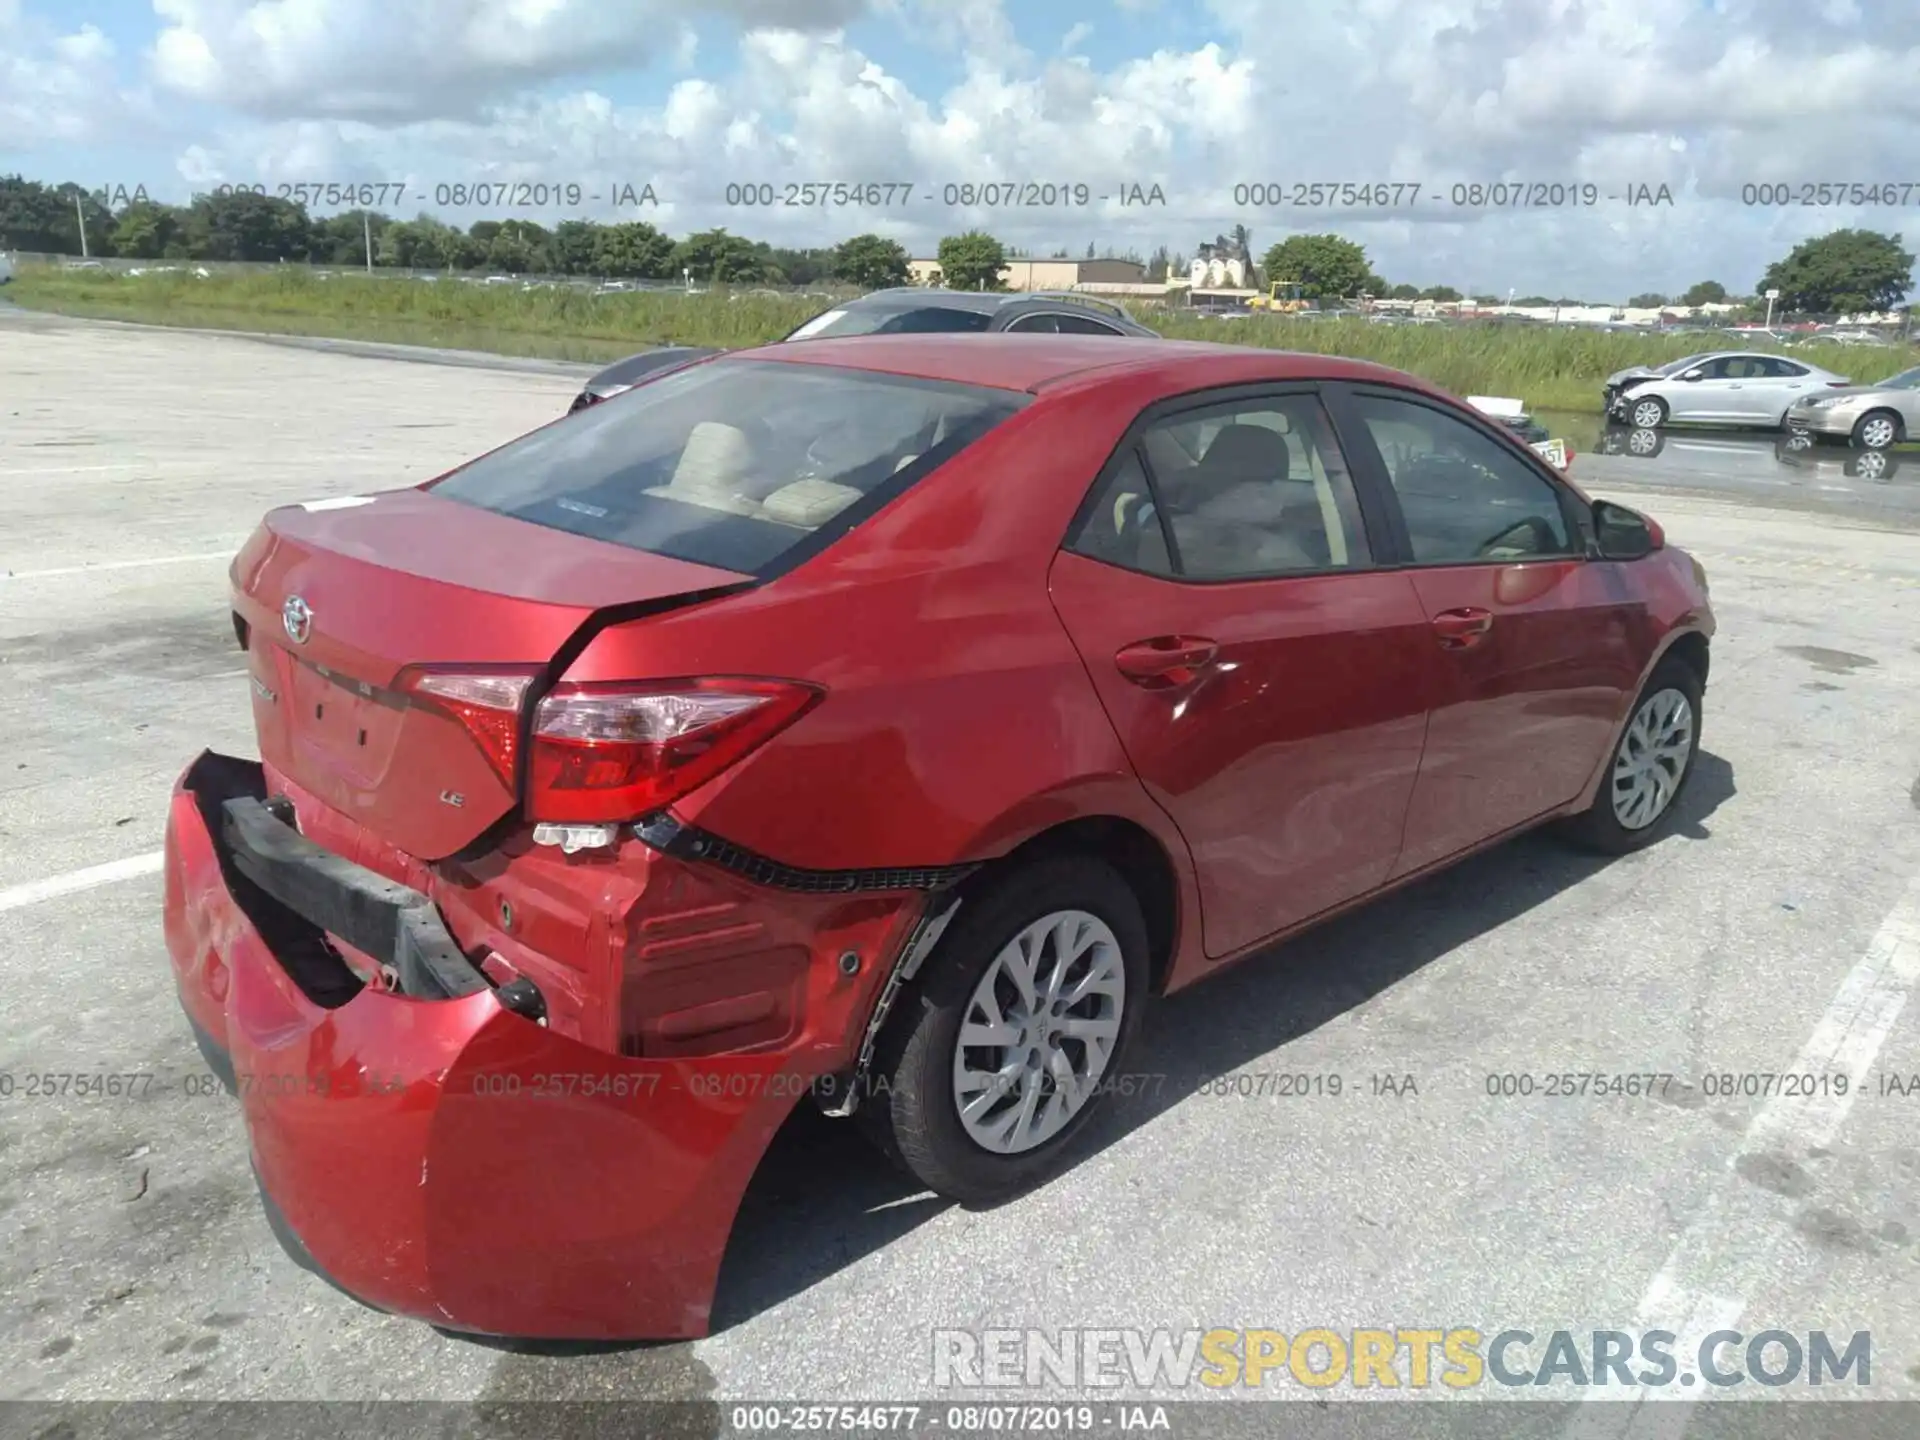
(135, 1263)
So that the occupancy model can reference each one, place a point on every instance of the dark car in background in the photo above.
(908, 310)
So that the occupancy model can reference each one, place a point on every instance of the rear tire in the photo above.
(910, 1106)
(1647, 414)
(1649, 767)
(1877, 430)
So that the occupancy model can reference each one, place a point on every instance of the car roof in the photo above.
(1035, 362)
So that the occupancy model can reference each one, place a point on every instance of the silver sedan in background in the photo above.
(1873, 417)
(1724, 387)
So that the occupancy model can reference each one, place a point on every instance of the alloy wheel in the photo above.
(1038, 1031)
(1648, 414)
(1644, 442)
(1876, 432)
(1652, 759)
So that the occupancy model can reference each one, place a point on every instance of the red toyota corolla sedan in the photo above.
(878, 722)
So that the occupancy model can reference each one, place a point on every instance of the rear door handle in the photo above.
(1460, 628)
(1166, 661)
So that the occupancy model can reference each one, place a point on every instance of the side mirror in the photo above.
(1694, 375)
(1624, 534)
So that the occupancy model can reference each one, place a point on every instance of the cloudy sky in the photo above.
(1195, 96)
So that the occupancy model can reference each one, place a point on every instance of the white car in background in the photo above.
(1720, 387)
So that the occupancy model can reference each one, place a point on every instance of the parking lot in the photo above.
(1778, 932)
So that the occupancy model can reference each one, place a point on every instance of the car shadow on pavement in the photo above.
(823, 1198)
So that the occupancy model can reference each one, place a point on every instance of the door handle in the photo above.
(1460, 628)
(1166, 661)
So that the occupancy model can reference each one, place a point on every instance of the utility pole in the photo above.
(366, 229)
(80, 214)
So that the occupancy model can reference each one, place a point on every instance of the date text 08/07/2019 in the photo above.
(496, 195)
(1461, 195)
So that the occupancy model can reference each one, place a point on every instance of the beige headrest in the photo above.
(808, 502)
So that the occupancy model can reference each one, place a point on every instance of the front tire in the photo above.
(1015, 1032)
(1647, 414)
(1877, 430)
(1650, 765)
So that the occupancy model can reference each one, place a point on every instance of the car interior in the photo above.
(739, 470)
(1245, 494)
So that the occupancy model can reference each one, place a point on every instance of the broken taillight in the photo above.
(614, 752)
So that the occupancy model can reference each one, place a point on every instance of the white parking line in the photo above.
(1722, 1256)
(35, 891)
(118, 565)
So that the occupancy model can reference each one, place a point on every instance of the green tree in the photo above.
(1844, 272)
(1325, 267)
(972, 261)
(572, 246)
(246, 226)
(520, 247)
(871, 262)
(1533, 301)
(31, 218)
(1705, 292)
(149, 231)
(1445, 294)
(1651, 300)
(1403, 292)
(634, 250)
(341, 239)
(510, 253)
(718, 258)
(781, 265)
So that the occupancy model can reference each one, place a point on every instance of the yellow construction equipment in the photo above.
(1272, 301)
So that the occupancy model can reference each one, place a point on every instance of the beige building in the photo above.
(1049, 274)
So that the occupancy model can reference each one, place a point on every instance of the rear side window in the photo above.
(1085, 325)
(881, 320)
(1252, 490)
(733, 463)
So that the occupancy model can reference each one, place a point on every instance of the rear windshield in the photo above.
(734, 463)
(888, 320)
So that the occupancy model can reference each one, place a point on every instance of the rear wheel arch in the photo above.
(1132, 851)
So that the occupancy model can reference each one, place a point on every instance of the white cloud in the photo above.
(54, 87)
(398, 61)
(1429, 91)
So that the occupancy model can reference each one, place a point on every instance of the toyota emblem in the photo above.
(297, 618)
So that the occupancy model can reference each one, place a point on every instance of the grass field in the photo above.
(1551, 369)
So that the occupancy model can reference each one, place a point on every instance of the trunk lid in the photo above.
(402, 579)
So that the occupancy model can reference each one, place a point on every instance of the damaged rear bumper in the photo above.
(434, 1149)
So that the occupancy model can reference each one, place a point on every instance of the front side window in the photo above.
(1251, 490)
(731, 463)
(1042, 324)
(1465, 496)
